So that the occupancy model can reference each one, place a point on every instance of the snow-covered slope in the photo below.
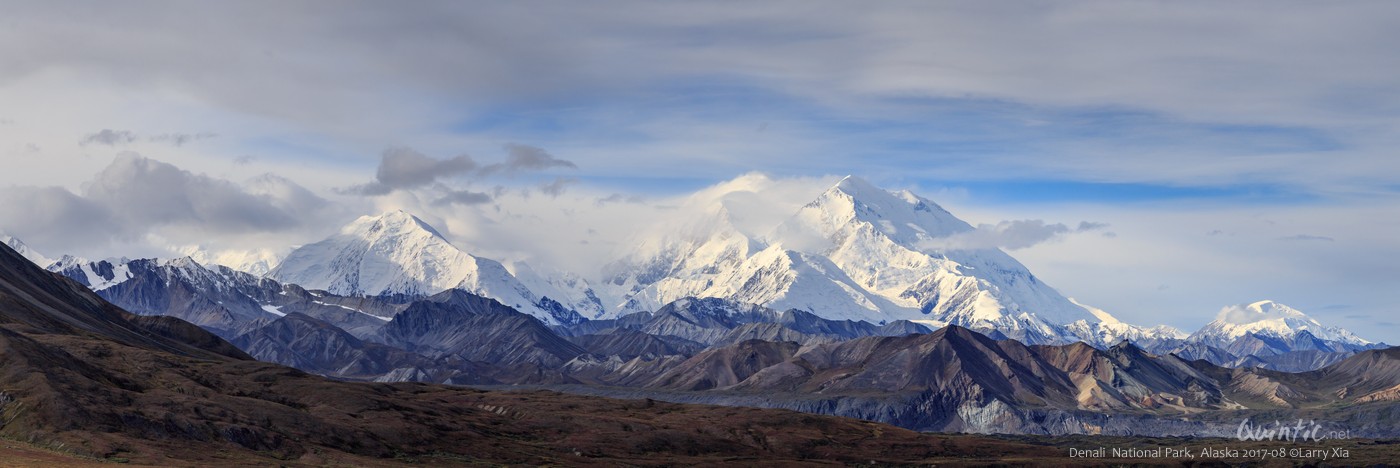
(877, 237)
(568, 289)
(256, 262)
(397, 253)
(856, 252)
(683, 261)
(26, 251)
(1271, 320)
(96, 275)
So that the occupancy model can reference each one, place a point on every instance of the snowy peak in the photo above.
(398, 253)
(902, 216)
(1269, 319)
(26, 251)
(1262, 311)
(390, 224)
(876, 238)
(256, 262)
(853, 252)
(393, 253)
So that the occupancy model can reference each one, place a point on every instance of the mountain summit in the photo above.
(1269, 319)
(26, 251)
(397, 253)
(859, 252)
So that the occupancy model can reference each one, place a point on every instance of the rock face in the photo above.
(313, 345)
(626, 343)
(475, 328)
(42, 302)
(398, 254)
(24, 250)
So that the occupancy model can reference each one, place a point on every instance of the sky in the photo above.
(1167, 158)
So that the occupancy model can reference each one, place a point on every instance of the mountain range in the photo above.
(856, 252)
(914, 367)
(863, 304)
(84, 383)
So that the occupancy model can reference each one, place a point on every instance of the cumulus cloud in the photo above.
(1011, 235)
(137, 199)
(53, 216)
(145, 192)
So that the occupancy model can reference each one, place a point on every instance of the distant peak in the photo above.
(184, 262)
(391, 221)
(1258, 311)
(854, 185)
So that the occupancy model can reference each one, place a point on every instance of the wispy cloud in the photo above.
(109, 137)
(403, 168)
(1307, 237)
(526, 158)
(1011, 235)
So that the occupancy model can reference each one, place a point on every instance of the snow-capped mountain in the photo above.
(684, 261)
(256, 262)
(397, 253)
(1270, 320)
(96, 275)
(876, 237)
(860, 252)
(568, 289)
(216, 297)
(26, 251)
(1110, 331)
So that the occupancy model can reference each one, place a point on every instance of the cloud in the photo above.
(145, 192)
(463, 197)
(1011, 235)
(556, 188)
(180, 139)
(53, 216)
(526, 158)
(286, 195)
(148, 205)
(1307, 237)
(244, 160)
(404, 168)
(618, 198)
(108, 137)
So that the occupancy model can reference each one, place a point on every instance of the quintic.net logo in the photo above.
(1300, 431)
